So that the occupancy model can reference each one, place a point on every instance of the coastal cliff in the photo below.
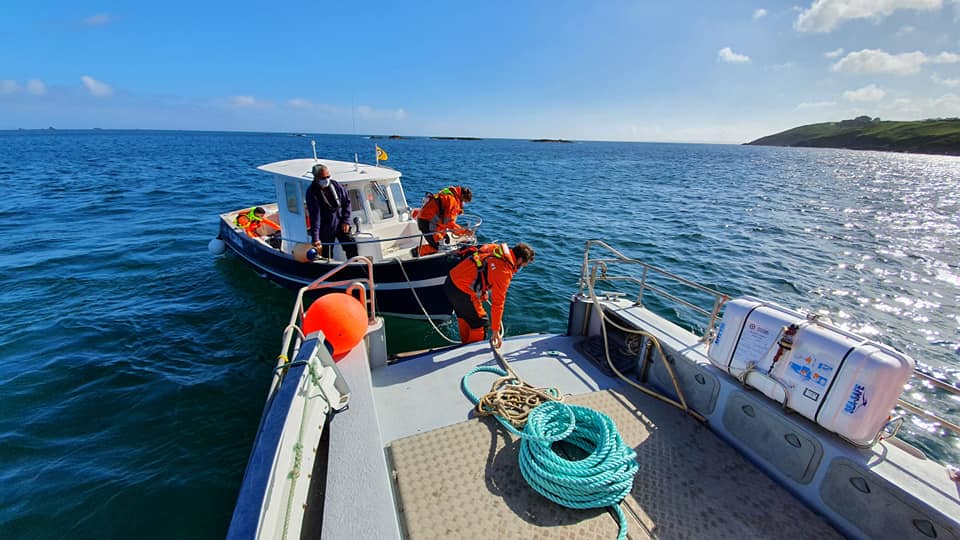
(934, 136)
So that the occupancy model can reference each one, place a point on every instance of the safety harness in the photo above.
(435, 197)
(480, 257)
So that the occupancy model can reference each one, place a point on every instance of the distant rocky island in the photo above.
(933, 136)
(551, 140)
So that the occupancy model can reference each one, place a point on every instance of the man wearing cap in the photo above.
(329, 211)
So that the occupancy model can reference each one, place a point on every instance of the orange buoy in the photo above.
(341, 318)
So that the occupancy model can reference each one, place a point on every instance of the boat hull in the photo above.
(395, 293)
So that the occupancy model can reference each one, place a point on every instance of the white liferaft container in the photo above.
(844, 382)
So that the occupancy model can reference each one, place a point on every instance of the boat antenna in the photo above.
(314, 145)
(356, 162)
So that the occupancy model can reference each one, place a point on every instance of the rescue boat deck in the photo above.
(453, 476)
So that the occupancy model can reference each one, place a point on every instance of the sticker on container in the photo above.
(857, 399)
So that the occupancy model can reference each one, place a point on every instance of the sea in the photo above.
(134, 363)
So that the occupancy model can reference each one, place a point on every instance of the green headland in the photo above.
(934, 136)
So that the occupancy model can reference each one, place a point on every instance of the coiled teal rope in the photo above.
(602, 478)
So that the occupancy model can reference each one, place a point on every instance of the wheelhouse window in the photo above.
(376, 195)
(398, 199)
(291, 195)
(356, 203)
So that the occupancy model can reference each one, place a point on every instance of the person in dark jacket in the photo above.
(329, 211)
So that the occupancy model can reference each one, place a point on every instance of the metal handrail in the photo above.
(600, 265)
(953, 390)
(293, 336)
(471, 227)
(594, 270)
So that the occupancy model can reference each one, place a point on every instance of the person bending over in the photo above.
(484, 275)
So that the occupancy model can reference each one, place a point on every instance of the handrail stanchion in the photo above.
(593, 270)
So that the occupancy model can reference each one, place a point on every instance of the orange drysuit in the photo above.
(438, 215)
(482, 275)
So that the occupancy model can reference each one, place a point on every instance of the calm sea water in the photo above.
(134, 365)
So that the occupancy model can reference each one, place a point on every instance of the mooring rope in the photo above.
(417, 298)
(602, 477)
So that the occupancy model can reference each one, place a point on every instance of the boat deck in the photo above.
(456, 476)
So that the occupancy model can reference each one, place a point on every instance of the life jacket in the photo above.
(480, 256)
(432, 208)
(246, 220)
(250, 222)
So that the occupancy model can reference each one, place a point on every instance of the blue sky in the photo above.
(705, 71)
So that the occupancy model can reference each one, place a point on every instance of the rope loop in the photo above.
(572, 455)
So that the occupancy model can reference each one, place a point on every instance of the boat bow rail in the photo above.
(307, 385)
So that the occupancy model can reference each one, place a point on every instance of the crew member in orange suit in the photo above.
(484, 274)
(439, 215)
(252, 220)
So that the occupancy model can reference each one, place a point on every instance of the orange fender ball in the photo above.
(341, 318)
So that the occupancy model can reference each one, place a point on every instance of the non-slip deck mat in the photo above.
(464, 481)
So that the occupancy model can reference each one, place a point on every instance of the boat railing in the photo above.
(472, 223)
(596, 269)
(927, 379)
(293, 336)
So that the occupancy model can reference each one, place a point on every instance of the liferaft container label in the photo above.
(809, 373)
(754, 346)
(857, 399)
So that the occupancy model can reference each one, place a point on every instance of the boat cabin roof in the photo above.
(342, 171)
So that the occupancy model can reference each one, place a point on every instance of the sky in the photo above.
(613, 70)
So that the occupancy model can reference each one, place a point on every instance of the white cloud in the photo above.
(8, 87)
(904, 105)
(947, 105)
(867, 93)
(786, 66)
(369, 113)
(825, 15)
(760, 13)
(95, 87)
(727, 55)
(36, 87)
(952, 83)
(877, 61)
(243, 101)
(299, 103)
(945, 58)
(834, 53)
(98, 20)
(816, 104)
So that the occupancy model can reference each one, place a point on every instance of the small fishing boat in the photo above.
(765, 423)
(383, 225)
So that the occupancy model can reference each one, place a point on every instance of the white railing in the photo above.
(598, 269)
(293, 334)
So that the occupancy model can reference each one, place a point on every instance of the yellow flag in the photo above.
(381, 155)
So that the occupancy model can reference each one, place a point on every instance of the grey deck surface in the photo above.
(423, 393)
(463, 481)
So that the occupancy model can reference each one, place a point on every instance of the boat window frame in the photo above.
(356, 199)
(291, 192)
(377, 196)
(399, 198)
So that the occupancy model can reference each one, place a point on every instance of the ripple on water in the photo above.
(135, 365)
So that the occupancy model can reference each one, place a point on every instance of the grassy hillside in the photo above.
(941, 136)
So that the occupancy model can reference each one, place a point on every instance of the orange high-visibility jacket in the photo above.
(442, 209)
(249, 222)
(488, 270)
